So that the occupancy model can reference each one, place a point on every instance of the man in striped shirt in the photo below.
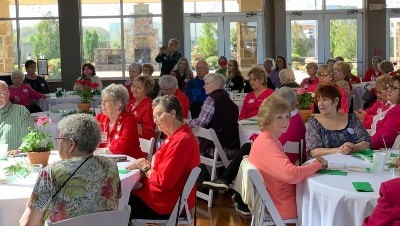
(14, 120)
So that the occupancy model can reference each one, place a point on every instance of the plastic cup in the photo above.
(3, 151)
(379, 161)
(387, 151)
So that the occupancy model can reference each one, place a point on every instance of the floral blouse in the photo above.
(319, 137)
(95, 187)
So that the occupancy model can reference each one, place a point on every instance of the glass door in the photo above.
(237, 37)
(393, 37)
(319, 37)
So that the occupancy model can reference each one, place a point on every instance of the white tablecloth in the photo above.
(246, 129)
(46, 103)
(14, 197)
(332, 200)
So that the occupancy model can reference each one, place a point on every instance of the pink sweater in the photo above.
(279, 174)
(25, 94)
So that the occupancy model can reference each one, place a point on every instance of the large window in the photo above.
(118, 33)
(333, 28)
(29, 30)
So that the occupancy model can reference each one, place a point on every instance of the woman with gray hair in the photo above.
(118, 127)
(219, 113)
(169, 86)
(80, 171)
(296, 131)
(287, 78)
(386, 67)
(23, 94)
(163, 179)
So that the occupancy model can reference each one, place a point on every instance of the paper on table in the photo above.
(363, 186)
(332, 172)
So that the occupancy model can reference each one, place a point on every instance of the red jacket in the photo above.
(184, 101)
(387, 127)
(173, 162)
(251, 103)
(388, 208)
(123, 137)
(369, 73)
(143, 114)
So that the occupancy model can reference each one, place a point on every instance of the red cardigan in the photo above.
(173, 162)
(143, 114)
(388, 208)
(123, 138)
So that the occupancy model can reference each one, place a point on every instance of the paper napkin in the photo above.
(363, 186)
(332, 172)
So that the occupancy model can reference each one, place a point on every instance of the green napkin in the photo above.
(249, 124)
(332, 172)
(363, 186)
(123, 171)
(59, 94)
(252, 119)
(366, 152)
(393, 155)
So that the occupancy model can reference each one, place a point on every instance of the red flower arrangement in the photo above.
(85, 89)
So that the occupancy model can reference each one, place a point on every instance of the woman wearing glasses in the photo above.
(119, 134)
(163, 179)
(326, 77)
(386, 125)
(380, 105)
(80, 183)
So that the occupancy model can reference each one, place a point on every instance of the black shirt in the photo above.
(39, 84)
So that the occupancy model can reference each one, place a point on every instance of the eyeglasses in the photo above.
(106, 101)
(392, 87)
(3, 94)
(59, 139)
(322, 75)
(381, 91)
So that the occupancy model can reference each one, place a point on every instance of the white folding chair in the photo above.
(63, 106)
(107, 218)
(211, 163)
(295, 148)
(181, 204)
(273, 218)
(148, 147)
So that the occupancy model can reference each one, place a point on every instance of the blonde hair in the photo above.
(274, 104)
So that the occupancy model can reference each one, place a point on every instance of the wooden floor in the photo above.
(222, 213)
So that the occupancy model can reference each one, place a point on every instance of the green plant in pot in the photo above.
(37, 143)
(305, 101)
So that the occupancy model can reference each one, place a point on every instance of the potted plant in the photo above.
(37, 143)
(305, 101)
(86, 89)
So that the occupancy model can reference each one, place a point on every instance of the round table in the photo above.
(46, 103)
(332, 200)
(15, 195)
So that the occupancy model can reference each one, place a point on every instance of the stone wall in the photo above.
(6, 50)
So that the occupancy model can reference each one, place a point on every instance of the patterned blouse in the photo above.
(95, 187)
(319, 137)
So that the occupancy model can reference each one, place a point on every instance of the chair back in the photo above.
(396, 143)
(295, 148)
(258, 183)
(107, 218)
(181, 204)
(147, 146)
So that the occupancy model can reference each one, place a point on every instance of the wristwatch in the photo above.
(145, 169)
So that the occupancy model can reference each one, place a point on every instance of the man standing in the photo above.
(14, 120)
(195, 89)
(168, 56)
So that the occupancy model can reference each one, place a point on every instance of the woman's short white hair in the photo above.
(16, 73)
(286, 75)
(215, 78)
(168, 82)
(137, 66)
(118, 92)
(288, 94)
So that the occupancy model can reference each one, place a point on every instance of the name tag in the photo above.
(251, 101)
(104, 137)
(25, 90)
(42, 84)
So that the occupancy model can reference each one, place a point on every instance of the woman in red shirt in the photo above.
(140, 106)
(118, 129)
